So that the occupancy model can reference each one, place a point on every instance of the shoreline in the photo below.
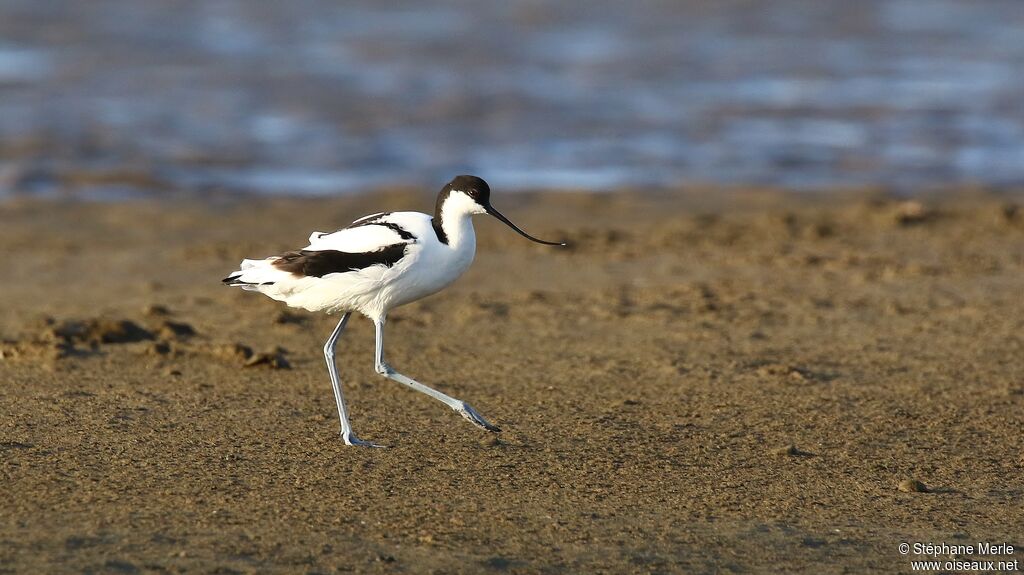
(128, 186)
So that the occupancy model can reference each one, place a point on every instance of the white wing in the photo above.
(371, 233)
(370, 217)
(355, 240)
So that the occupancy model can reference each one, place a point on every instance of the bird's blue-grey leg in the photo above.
(463, 408)
(346, 428)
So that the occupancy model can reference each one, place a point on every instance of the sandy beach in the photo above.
(704, 381)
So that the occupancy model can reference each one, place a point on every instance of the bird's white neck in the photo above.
(458, 228)
(454, 216)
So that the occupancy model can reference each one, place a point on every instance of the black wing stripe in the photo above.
(311, 263)
(375, 221)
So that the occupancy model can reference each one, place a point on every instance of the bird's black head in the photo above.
(472, 186)
(479, 202)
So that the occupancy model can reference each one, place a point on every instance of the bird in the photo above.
(375, 264)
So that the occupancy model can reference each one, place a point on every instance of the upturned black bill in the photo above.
(497, 214)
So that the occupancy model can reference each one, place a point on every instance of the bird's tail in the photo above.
(254, 274)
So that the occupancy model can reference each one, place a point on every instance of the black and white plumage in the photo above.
(377, 263)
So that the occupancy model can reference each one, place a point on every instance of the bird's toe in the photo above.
(351, 439)
(475, 418)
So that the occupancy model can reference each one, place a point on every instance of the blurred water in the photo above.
(114, 97)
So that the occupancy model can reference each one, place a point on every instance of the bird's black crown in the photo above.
(472, 186)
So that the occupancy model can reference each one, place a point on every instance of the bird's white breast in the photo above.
(430, 265)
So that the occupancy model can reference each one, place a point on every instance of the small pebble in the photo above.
(787, 450)
(1011, 212)
(285, 317)
(912, 212)
(156, 310)
(158, 348)
(169, 330)
(274, 360)
(913, 486)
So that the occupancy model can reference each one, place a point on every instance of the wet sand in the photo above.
(701, 383)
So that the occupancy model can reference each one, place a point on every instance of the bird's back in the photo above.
(376, 263)
(373, 232)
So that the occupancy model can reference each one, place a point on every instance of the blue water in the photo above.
(322, 96)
